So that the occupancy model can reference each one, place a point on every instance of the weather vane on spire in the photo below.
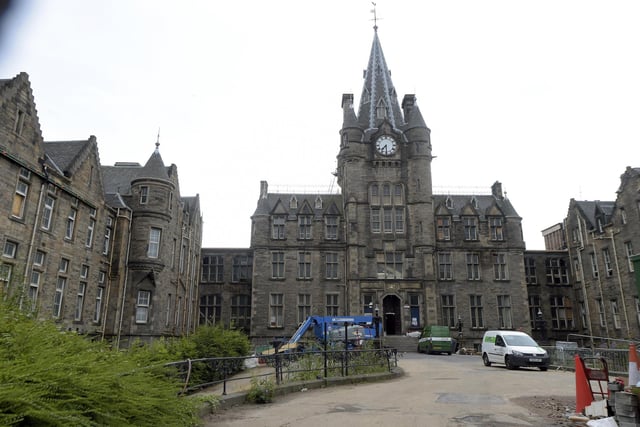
(375, 17)
(158, 139)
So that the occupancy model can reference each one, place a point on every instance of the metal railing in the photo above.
(198, 374)
(617, 359)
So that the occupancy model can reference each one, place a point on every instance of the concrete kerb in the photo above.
(239, 398)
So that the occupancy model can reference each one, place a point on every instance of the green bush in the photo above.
(53, 378)
(261, 390)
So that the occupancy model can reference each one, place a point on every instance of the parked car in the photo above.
(514, 349)
(436, 339)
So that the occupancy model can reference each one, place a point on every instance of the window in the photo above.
(601, 314)
(143, 304)
(623, 216)
(375, 194)
(90, 228)
(106, 245)
(386, 194)
(331, 227)
(399, 225)
(375, 220)
(304, 227)
(390, 265)
(277, 265)
(241, 268)
(5, 278)
(183, 254)
(448, 310)
(241, 311)
(213, 268)
(367, 300)
(475, 304)
(332, 305)
(39, 258)
(210, 309)
(168, 311)
(178, 314)
(18, 125)
(637, 304)
(84, 271)
(530, 274)
(82, 287)
(583, 314)
(504, 312)
(293, 202)
(557, 271)
(443, 227)
(607, 262)
(561, 312)
(63, 267)
(615, 313)
(19, 199)
(387, 220)
(628, 250)
(470, 228)
(144, 194)
(534, 308)
(47, 212)
(57, 297)
(445, 266)
(304, 265)
(398, 198)
(500, 266)
(153, 249)
(276, 310)
(34, 286)
(10, 249)
(331, 259)
(473, 266)
(594, 265)
(277, 228)
(495, 227)
(71, 224)
(97, 312)
(577, 270)
(318, 202)
(304, 307)
(414, 310)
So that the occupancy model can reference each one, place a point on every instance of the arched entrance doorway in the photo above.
(392, 319)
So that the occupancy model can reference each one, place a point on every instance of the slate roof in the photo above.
(594, 209)
(378, 89)
(278, 203)
(118, 178)
(481, 204)
(66, 156)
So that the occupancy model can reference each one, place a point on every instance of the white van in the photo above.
(514, 349)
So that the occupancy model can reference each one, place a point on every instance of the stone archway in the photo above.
(392, 315)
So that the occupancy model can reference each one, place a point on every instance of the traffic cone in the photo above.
(584, 397)
(634, 375)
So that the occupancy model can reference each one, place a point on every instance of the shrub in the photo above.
(261, 390)
(53, 378)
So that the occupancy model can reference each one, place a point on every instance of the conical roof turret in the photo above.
(379, 100)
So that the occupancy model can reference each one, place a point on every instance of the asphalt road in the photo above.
(436, 390)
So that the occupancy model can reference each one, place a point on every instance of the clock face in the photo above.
(386, 145)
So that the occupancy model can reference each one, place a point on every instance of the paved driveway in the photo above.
(435, 391)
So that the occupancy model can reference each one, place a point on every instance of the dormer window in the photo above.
(474, 202)
(449, 203)
(293, 202)
(318, 203)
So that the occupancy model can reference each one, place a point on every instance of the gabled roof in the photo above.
(278, 204)
(67, 156)
(592, 210)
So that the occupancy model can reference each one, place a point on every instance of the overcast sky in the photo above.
(543, 96)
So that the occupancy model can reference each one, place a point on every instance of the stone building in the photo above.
(387, 242)
(602, 238)
(79, 245)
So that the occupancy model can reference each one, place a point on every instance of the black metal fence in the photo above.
(198, 374)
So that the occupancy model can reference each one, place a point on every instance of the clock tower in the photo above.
(384, 172)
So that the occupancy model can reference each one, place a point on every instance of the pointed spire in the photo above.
(379, 100)
(155, 168)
